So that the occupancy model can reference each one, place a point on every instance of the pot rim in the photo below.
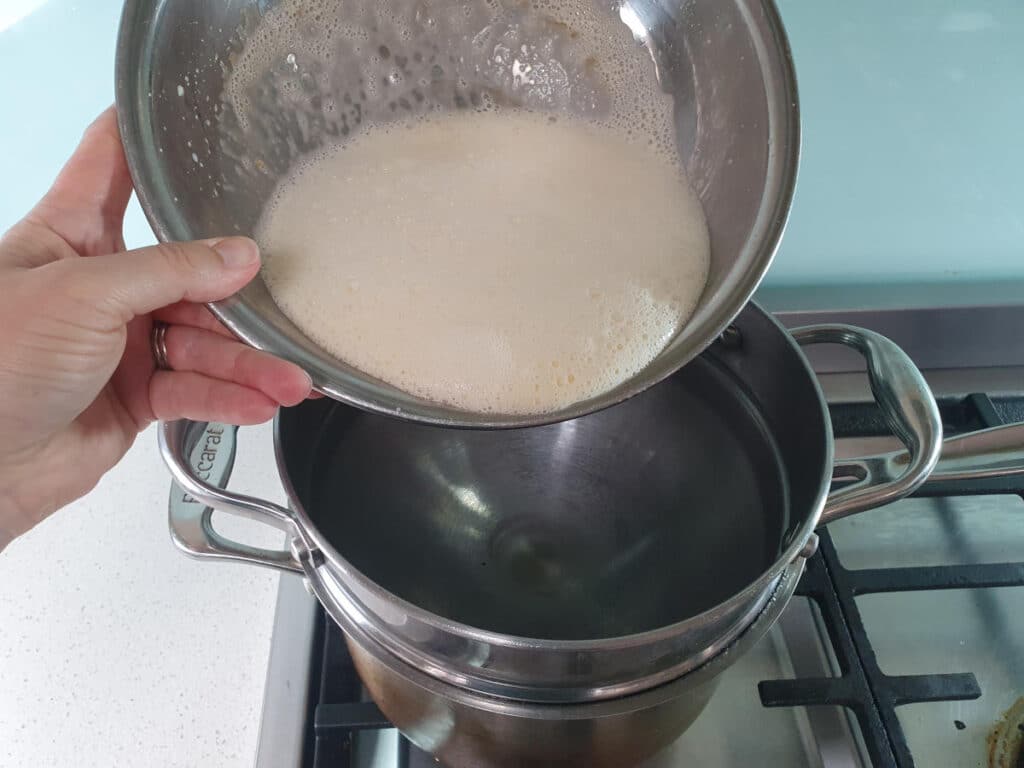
(309, 533)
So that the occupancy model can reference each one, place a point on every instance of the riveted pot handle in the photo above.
(201, 457)
(909, 408)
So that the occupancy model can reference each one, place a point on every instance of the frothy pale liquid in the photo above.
(496, 262)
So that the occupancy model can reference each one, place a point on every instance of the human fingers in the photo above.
(193, 315)
(125, 285)
(189, 395)
(207, 353)
(198, 316)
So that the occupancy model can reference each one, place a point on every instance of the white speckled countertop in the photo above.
(115, 649)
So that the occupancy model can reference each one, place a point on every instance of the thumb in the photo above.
(137, 282)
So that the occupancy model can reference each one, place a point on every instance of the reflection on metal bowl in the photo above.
(726, 64)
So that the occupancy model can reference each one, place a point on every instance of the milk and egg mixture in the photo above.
(501, 257)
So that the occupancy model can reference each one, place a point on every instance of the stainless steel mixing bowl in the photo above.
(726, 64)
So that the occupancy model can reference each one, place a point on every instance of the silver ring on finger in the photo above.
(158, 341)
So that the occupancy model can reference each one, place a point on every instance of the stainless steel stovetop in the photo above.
(955, 620)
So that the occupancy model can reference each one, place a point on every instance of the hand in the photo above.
(77, 376)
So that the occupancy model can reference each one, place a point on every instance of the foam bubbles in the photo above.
(576, 280)
(494, 262)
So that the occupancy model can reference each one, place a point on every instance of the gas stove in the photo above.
(904, 646)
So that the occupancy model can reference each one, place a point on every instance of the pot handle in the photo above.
(986, 453)
(993, 452)
(201, 457)
(909, 407)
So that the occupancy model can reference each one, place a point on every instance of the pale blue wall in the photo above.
(58, 74)
(913, 155)
(913, 130)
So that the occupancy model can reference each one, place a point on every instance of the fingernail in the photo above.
(237, 252)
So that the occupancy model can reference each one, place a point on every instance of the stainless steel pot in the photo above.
(469, 730)
(511, 562)
(631, 554)
(726, 63)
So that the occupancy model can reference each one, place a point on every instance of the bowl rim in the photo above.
(136, 31)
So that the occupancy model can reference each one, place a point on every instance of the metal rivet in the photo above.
(810, 547)
(310, 559)
(731, 338)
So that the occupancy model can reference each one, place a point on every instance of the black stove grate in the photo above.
(340, 709)
(339, 706)
(863, 688)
